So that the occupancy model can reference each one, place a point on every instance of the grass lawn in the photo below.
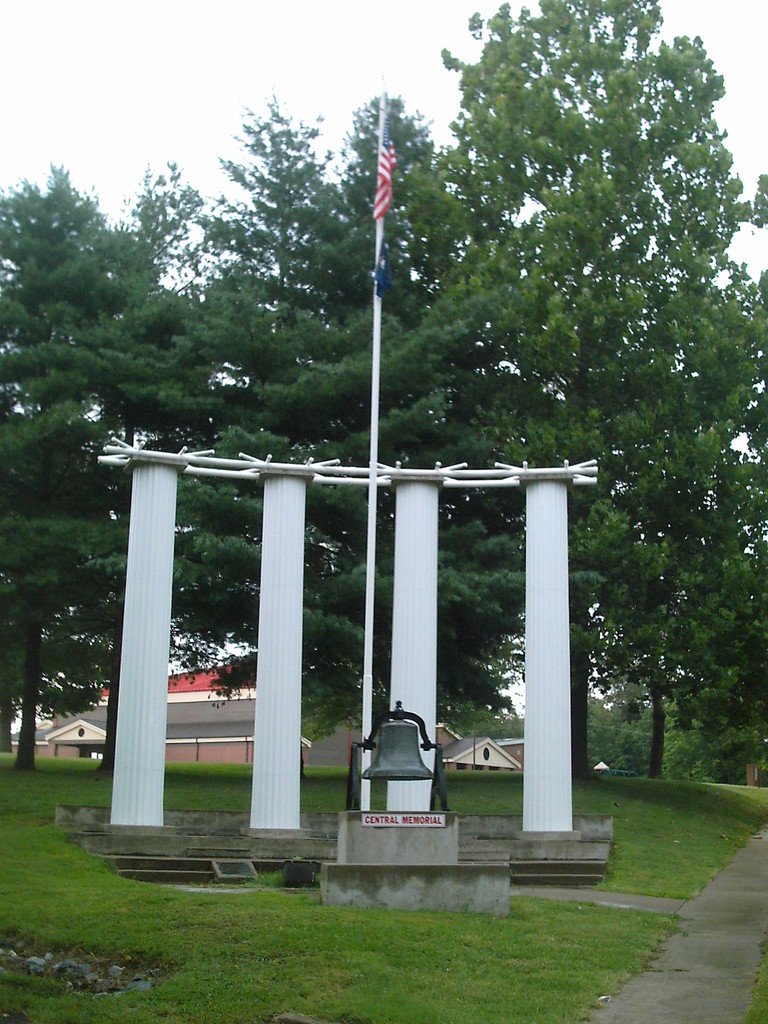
(245, 955)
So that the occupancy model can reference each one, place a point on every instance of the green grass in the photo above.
(245, 956)
(758, 1007)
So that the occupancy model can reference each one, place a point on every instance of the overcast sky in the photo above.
(107, 89)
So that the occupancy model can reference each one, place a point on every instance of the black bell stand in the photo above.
(398, 715)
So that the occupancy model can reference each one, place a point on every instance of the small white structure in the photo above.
(78, 733)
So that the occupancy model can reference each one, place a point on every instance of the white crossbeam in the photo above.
(330, 471)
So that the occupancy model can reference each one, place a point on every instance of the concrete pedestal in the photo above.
(361, 843)
(410, 866)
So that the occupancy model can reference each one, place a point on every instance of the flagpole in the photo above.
(373, 463)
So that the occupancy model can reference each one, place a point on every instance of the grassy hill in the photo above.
(247, 955)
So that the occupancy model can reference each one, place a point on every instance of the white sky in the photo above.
(106, 89)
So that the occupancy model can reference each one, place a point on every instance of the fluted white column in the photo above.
(139, 775)
(547, 803)
(275, 801)
(414, 625)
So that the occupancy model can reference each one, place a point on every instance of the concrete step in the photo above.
(572, 881)
(559, 850)
(525, 849)
(197, 868)
(156, 844)
(586, 867)
(123, 863)
(510, 826)
(217, 851)
(171, 870)
(168, 877)
(484, 850)
(77, 818)
(180, 870)
(169, 843)
(322, 825)
(568, 873)
(294, 844)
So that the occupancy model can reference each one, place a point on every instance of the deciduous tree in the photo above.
(599, 203)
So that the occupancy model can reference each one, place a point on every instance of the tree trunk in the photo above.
(107, 766)
(658, 719)
(6, 720)
(579, 692)
(25, 756)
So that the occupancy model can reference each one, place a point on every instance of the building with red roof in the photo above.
(204, 724)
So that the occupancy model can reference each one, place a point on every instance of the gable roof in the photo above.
(442, 727)
(79, 731)
(460, 752)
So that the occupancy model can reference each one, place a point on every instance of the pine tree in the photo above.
(52, 501)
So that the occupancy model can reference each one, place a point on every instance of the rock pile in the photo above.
(88, 976)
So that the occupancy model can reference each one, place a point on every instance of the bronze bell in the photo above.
(397, 755)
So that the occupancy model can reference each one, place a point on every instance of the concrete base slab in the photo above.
(467, 888)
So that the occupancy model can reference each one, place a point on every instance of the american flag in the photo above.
(387, 164)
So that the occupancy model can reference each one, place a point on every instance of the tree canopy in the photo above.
(598, 203)
(54, 286)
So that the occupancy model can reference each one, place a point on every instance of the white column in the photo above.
(414, 625)
(139, 776)
(547, 779)
(275, 801)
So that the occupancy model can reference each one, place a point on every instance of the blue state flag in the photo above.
(381, 274)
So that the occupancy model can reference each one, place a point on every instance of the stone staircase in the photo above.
(197, 847)
(540, 858)
(170, 870)
(206, 847)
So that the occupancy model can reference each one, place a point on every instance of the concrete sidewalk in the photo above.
(704, 974)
